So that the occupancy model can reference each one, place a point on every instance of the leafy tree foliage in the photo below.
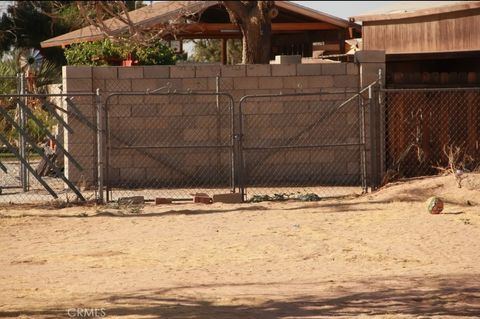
(27, 23)
(209, 50)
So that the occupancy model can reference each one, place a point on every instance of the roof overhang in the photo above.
(164, 13)
(405, 14)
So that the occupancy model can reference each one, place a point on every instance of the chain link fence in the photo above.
(38, 163)
(302, 145)
(428, 130)
(171, 145)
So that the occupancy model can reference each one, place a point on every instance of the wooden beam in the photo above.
(223, 57)
(232, 28)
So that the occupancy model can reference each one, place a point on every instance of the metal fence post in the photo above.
(373, 140)
(100, 145)
(22, 122)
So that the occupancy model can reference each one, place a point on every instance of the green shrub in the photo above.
(106, 52)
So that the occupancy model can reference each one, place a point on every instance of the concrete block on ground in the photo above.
(202, 198)
(231, 198)
(161, 201)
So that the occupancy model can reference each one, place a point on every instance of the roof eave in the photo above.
(419, 13)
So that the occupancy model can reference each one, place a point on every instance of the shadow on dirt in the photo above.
(442, 297)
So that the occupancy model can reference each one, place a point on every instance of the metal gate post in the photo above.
(100, 145)
(21, 123)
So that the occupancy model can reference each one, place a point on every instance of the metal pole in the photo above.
(21, 139)
(100, 145)
(363, 148)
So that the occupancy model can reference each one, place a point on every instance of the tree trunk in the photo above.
(253, 19)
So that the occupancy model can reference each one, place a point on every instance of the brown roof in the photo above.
(164, 12)
(411, 9)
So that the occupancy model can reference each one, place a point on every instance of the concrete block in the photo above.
(205, 71)
(245, 83)
(309, 69)
(288, 59)
(369, 73)
(117, 110)
(346, 81)
(334, 68)
(284, 69)
(76, 72)
(161, 201)
(142, 85)
(195, 84)
(352, 69)
(130, 72)
(133, 174)
(295, 82)
(195, 135)
(370, 56)
(167, 110)
(118, 85)
(98, 84)
(231, 198)
(270, 82)
(202, 198)
(156, 71)
(182, 71)
(105, 72)
(226, 84)
(79, 85)
(259, 70)
(319, 81)
(233, 70)
(144, 110)
(130, 99)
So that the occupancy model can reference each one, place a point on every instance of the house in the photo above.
(432, 96)
(295, 28)
(427, 43)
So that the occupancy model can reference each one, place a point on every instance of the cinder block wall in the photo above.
(188, 120)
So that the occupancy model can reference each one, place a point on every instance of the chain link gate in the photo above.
(170, 145)
(51, 142)
(303, 145)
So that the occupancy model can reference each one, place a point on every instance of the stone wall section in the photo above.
(186, 120)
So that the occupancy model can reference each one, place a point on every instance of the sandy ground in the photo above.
(377, 256)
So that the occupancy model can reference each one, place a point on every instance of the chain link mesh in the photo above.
(58, 132)
(169, 145)
(300, 144)
(424, 126)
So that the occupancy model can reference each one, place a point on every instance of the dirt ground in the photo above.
(381, 255)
